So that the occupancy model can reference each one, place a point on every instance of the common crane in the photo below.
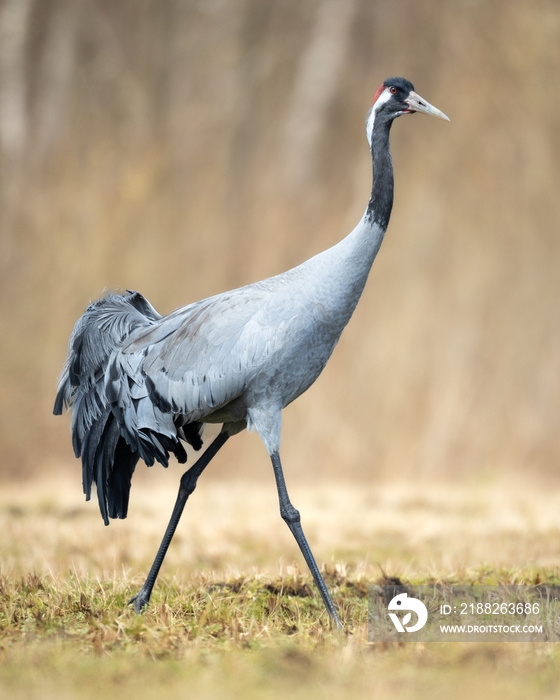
(141, 385)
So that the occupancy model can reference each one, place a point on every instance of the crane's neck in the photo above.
(342, 271)
(355, 253)
(334, 279)
(381, 200)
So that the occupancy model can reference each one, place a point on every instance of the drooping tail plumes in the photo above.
(115, 422)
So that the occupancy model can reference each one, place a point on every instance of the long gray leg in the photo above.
(186, 487)
(291, 516)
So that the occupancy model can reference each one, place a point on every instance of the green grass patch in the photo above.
(247, 636)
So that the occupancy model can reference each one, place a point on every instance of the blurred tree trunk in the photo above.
(316, 85)
(55, 72)
(14, 27)
(15, 18)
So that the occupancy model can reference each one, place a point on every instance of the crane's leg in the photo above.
(186, 486)
(291, 516)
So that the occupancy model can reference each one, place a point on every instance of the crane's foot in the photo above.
(140, 600)
(335, 621)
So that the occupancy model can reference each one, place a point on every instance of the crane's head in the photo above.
(395, 97)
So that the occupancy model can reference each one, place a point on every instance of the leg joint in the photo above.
(290, 514)
(188, 482)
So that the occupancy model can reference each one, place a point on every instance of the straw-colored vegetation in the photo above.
(233, 615)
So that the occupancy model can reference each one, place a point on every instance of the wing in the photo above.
(111, 436)
(204, 356)
(95, 337)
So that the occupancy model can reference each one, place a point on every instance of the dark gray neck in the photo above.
(381, 200)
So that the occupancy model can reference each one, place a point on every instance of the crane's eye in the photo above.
(393, 90)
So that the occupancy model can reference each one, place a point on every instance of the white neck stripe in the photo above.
(379, 102)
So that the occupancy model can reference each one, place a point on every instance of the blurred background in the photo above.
(184, 147)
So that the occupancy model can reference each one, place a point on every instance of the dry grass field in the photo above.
(234, 615)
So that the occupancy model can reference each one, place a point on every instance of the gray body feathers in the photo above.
(141, 384)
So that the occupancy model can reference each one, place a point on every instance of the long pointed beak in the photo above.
(419, 104)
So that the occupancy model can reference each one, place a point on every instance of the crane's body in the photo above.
(228, 357)
(141, 384)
